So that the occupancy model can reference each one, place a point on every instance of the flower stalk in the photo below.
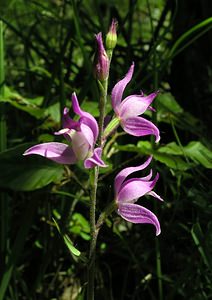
(94, 175)
(92, 252)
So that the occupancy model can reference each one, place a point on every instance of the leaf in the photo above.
(171, 148)
(199, 239)
(199, 153)
(171, 161)
(167, 103)
(70, 246)
(67, 241)
(93, 107)
(29, 173)
(80, 226)
(168, 155)
(28, 105)
(53, 111)
(17, 248)
(195, 151)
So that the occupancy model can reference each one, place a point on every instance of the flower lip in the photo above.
(138, 214)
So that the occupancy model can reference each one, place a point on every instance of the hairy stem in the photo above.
(94, 174)
(92, 252)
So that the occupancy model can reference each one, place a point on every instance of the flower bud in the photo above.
(111, 37)
(103, 63)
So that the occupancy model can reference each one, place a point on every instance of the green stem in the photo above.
(154, 117)
(103, 216)
(92, 252)
(4, 201)
(94, 174)
(2, 80)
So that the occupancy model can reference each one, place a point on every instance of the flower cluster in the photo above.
(82, 135)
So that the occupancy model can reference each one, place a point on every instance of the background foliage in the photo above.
(49, 48)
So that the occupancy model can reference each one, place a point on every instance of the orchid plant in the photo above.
(83, 135)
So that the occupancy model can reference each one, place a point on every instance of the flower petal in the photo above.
(153, 194)
(118, 89)
(95, 160)
(121, 176)
(135, 213)
(135, 105)
(138, 126)
(63, 131)
(85, 117)
(58, 152)
(135, 188)
(68, 122)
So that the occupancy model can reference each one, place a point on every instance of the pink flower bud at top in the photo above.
(111, 37)
(103, 63)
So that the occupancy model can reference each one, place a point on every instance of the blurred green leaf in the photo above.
(53, 111)
(80, 226)
(167, 103)
(93, 107)
(173, 155)
(29, 173)
(67, 241)
(28, 105)
(199, 239)
(199, 153)
(70, 246)
(195, 150)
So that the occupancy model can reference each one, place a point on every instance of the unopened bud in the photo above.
(111, 37)
(102, 63)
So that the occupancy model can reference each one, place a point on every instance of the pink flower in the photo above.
(82, 134)
(128, 110)
(128, 191)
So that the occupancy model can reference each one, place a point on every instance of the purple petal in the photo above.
(118, 89)
(138, 214)
(95, 160)
(103, 63)
(58, 152)
(135, 188)
(85, 117)
(153, 194)
(67, 133)
(121, 176)
(139, 126)
(68, 122)
(148, 177)
(135, 105)
(63, 131)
